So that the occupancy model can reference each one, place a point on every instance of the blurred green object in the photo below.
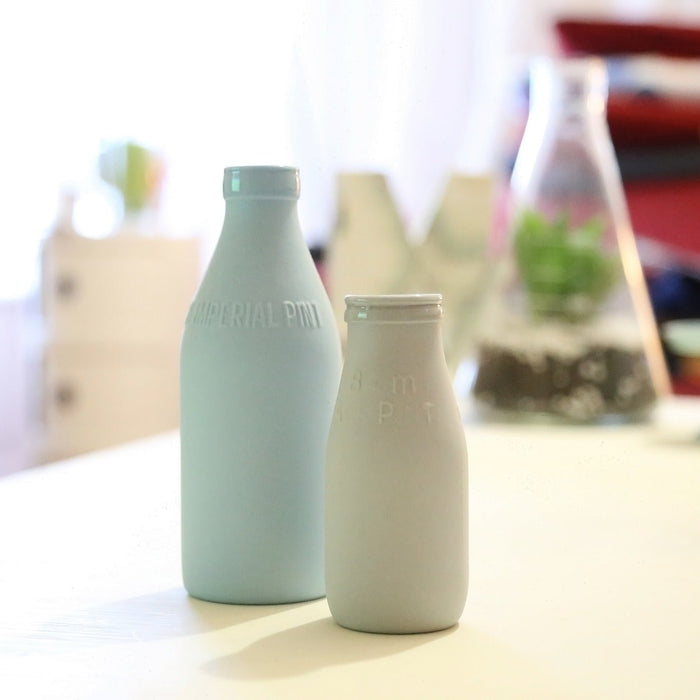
(135, 171)
(565, 270)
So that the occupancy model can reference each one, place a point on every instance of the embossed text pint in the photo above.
(396, 477)
(260, 366)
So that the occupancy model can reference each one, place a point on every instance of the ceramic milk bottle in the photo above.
(396, 473)
(260, 366)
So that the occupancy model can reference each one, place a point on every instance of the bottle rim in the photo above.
(571, 80)
(261, 181)
(393, 308)
(375, 300)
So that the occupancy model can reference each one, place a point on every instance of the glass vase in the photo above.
(568, 331)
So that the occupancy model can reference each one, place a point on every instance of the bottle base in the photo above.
(413, 617)
(397, 629)
(231, 599)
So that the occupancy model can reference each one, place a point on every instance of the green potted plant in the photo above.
(557, 346)
(565, 269)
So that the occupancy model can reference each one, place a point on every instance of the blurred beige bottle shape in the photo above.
(452, 258)
(368, 251)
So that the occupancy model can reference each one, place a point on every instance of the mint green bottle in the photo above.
(260, 367)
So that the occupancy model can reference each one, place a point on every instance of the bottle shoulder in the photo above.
(233, 276)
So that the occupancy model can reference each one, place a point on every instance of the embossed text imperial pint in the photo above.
(260, 366)
(396, 473)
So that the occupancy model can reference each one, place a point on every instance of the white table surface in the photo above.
(584, 583)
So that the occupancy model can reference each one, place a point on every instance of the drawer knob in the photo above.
(64, 395)
(65, 286)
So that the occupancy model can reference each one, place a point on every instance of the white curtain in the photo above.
(406, 88)
(413, 88)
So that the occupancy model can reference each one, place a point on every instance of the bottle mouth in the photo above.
(393, 308)
(279, 182)
(574, 82)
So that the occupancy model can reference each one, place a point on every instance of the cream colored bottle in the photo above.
(260, 367)
(396, 474)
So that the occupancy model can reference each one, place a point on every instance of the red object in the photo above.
(646, 120)
(685, 387)
(608, 38)
(667, 211)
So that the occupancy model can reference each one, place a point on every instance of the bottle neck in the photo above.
(406, 326)
(572, 90)
(261, 207)
(262, 218)
(421, 338)
(566, 124)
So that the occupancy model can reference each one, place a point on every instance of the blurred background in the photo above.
(118, 119)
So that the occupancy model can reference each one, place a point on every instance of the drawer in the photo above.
(93, 400)
(117, 290)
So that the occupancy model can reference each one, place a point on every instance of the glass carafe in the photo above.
(568, 331)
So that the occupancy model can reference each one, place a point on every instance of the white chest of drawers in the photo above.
(114, 311)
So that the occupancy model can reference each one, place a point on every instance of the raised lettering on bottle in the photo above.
(390, 412)
(255, 314)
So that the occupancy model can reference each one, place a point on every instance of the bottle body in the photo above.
(260, 364)
(569, 332)
(396, 474)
